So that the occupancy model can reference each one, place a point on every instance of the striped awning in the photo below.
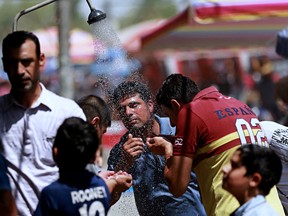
(212, 10)
(220, 24)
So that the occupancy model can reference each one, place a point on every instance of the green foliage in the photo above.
(47, 15)
(149, 9)
(39, 18)
(77, 20)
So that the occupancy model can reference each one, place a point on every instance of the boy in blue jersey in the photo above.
(77, 191)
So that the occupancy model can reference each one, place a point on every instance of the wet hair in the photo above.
(16, 39)
(262, 160)
(77, 143)
(93, 106)
(130, 88)
(178, 87)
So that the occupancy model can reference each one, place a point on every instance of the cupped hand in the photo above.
(160, 146)
(106, 174)
(124, 181)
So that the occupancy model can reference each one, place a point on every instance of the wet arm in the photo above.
(177, 174)
(117, 184)
(177, 168)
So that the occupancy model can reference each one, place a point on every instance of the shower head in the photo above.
(95, 15)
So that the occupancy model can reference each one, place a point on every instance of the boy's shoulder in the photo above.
(76, 184)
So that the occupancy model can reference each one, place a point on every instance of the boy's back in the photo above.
(80, 194)
(77, 191)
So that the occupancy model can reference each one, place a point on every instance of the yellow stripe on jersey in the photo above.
(223, 140)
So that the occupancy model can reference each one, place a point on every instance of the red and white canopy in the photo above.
(218, 24)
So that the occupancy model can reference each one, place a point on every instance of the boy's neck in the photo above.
(248, 195)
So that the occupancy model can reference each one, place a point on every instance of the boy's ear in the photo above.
(95, 121)
(255, 180)
(175, 104)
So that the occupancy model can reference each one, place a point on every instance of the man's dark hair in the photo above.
(92, 106)
(178, 87)
(77, 143)
(16, 39)
(130, 88)
(262, 160)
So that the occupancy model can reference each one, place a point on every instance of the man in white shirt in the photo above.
(29, 118)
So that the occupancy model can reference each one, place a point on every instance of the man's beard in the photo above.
(143, 131)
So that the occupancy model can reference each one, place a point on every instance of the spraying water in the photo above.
(112, 61)
(113, 64)
(108, 49)
(105, 34)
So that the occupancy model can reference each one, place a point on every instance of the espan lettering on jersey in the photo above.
(232, 111)
(81, 196)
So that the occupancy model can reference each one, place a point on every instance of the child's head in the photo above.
(97, 113)
(75, 144)
(252, 167)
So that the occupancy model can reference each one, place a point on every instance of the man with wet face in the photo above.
(135, 106)
(29, 118)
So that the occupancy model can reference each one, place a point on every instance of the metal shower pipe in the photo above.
(28, 10)
(90, 5)
(94, 16)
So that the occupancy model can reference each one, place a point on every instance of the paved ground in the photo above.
(125, 206)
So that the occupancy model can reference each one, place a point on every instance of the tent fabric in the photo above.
(129, 36)
(207, 10)
(182, 32)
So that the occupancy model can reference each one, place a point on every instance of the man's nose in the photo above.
(20, 68)
(128, 110)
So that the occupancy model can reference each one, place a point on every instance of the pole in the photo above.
(65, 66)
